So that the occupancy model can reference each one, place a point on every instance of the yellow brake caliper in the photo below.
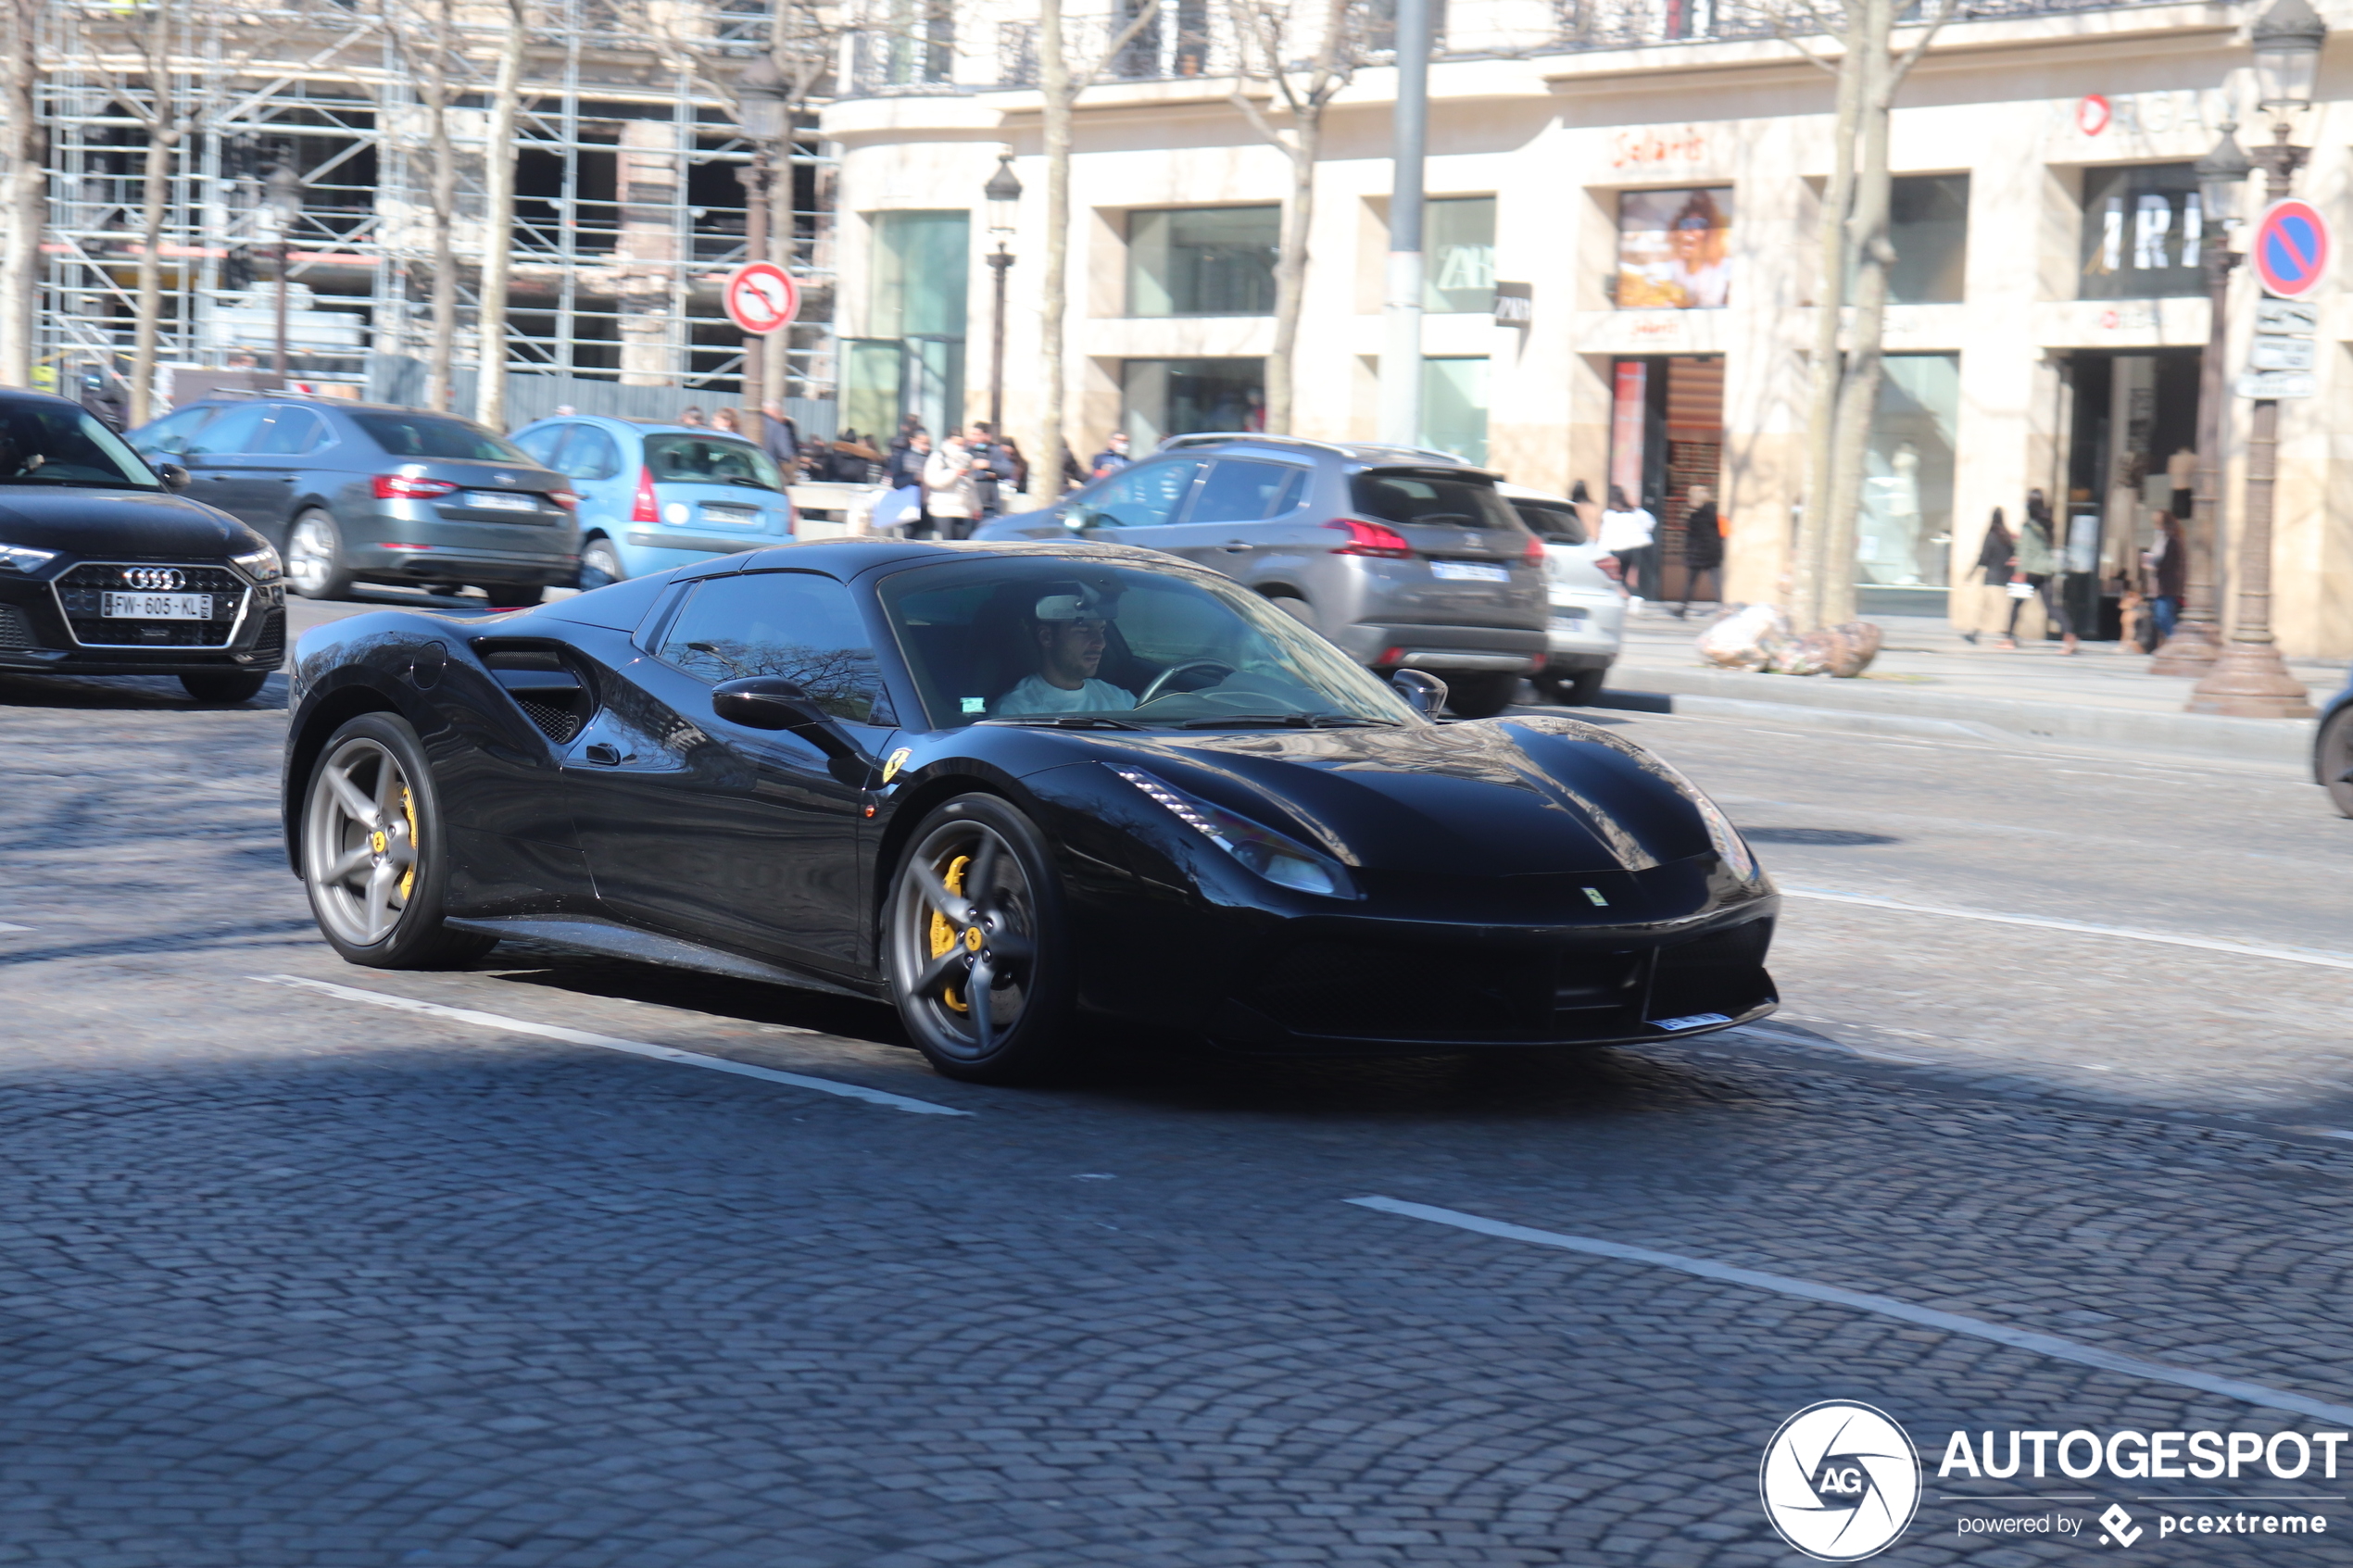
(942, 935)
(408, 810)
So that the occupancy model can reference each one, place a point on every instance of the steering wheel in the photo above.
(1160, 681)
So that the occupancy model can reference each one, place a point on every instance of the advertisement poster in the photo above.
(1674, 249)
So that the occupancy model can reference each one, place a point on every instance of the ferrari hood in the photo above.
(119, 522)
(1496, 798)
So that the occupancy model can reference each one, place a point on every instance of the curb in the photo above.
(1861, 710)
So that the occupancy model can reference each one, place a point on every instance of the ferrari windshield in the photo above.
(1069, 641)
(52, 444)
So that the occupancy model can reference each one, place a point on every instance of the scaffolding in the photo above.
(629, 209)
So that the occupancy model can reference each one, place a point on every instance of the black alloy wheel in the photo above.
(974, 933)
(1481, 696)
(375, 859)
(2336, 761)
(225, 685)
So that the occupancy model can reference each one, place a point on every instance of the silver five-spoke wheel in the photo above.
(360, 848)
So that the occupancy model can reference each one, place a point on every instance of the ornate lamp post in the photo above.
(2248, 680)
(1003, 191)
(2221, 177)
(762, 103)
(282, 195)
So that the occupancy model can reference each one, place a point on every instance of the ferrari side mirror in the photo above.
(772, 702)
(1423, 692)
(174, 477)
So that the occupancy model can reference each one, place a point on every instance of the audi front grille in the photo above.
(81, 591)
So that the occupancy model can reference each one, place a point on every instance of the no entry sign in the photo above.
(762, 298)
(2290, 251)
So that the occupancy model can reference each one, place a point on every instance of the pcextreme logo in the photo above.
(1840, 1481)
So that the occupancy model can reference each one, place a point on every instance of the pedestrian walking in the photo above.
(1112, 458)
(725, 419)
(951, 499)
(2167, 560)
(780, 437)
(2038, 569)
(1702, 550)
(1627, 532)
(992, 467)
(1997, 564)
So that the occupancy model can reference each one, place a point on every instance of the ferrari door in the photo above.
(720, 833)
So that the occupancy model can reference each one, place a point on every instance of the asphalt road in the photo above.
(292, 1277)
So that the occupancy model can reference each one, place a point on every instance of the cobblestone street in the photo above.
(293, 1278)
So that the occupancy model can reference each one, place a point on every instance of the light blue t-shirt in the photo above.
(1034, 694)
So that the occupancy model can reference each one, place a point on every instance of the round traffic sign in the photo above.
(2290, 250)
(762, 298)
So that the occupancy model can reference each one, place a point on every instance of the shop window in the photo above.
(1903, 538)
(2140, 230)
(1455, 408)
(1203, 261)
(1928, 223)
(1458, 236)
(1674, 249)
(911, 361)
(1166, 397)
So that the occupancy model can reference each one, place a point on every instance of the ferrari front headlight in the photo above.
(1731, 847)
(1266, 852)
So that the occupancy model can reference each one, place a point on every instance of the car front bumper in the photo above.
(36, 637)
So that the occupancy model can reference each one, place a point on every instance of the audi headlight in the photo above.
(16, 558)
(1269, 854)
(262, 565)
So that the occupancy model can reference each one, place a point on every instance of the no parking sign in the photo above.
(762, 298)
(2290, 250)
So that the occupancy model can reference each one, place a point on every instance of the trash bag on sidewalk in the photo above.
(1842, 652)
(1744, 639)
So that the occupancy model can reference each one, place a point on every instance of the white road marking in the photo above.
(611, 1043)
(2049, 1345)
(2086, 928)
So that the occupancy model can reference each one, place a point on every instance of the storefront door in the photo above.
(1667, 436)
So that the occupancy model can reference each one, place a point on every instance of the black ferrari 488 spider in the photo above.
(1011, 789)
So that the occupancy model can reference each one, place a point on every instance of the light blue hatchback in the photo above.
(658, 495)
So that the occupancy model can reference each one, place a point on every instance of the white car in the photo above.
(1589, 608)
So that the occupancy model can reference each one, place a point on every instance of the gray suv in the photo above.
(1407, 559)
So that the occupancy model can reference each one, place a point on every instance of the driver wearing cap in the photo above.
(1069, 629)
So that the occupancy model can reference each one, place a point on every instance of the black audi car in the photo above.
(105, 570)
(1011, 788)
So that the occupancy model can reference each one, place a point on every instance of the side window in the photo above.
(796, 625)
(239, 429)
(172, 434)
(588, 453)
(293, 432)
(539, 444)
(1239, 490)
(1143, 496)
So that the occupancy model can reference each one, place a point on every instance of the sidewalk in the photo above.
(1928, 682)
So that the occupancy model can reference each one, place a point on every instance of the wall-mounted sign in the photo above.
(2093, 114)
(1636, 149)
(1515, 304)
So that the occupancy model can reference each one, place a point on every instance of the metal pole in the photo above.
(2248, 681)
(1401, 360)
(755, 374)
(283, 254)
(2192, 648)
(999, 263)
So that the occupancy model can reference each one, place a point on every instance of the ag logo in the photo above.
(1840, 1481)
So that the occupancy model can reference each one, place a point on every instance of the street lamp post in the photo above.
(2222, 176)
(2248, 680)
(284, 193)
(1003, 191)
(763, 101)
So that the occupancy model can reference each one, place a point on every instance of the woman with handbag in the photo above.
(1996, 560)
(2037, 574)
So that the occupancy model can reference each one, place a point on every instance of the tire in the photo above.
(1577, 688)
(600, 563)
(2336, 760)
(513, 596)
(1014, 932)
(315, 567)
(1299, 609)
(375, 859)
(1481, 696)
(226, 685)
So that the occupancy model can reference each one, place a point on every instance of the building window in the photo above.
(1455, 407)
(1458, 235)
(1928, 223)
(911, 358)
(1166, 397)
(1203, 261)
(1904, 537)
(2141, 232)
(1674, 249)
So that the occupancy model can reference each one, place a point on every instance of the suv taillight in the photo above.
(1534, 554)
(1369, 539)
(408, 487)
(643, 510)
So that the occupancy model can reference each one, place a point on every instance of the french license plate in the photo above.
(157, 607)
(502, 501)
(1568, 615)
(718, 513)
(1468, 571)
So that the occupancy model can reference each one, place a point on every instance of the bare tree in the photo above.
(1306, 88)
(1060, 85)
(424, 34)
(497, 218)
(24, 189)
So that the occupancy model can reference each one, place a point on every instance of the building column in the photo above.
(646, 175)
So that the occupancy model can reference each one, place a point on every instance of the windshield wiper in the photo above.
(1066, 721)
(1284, 721)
